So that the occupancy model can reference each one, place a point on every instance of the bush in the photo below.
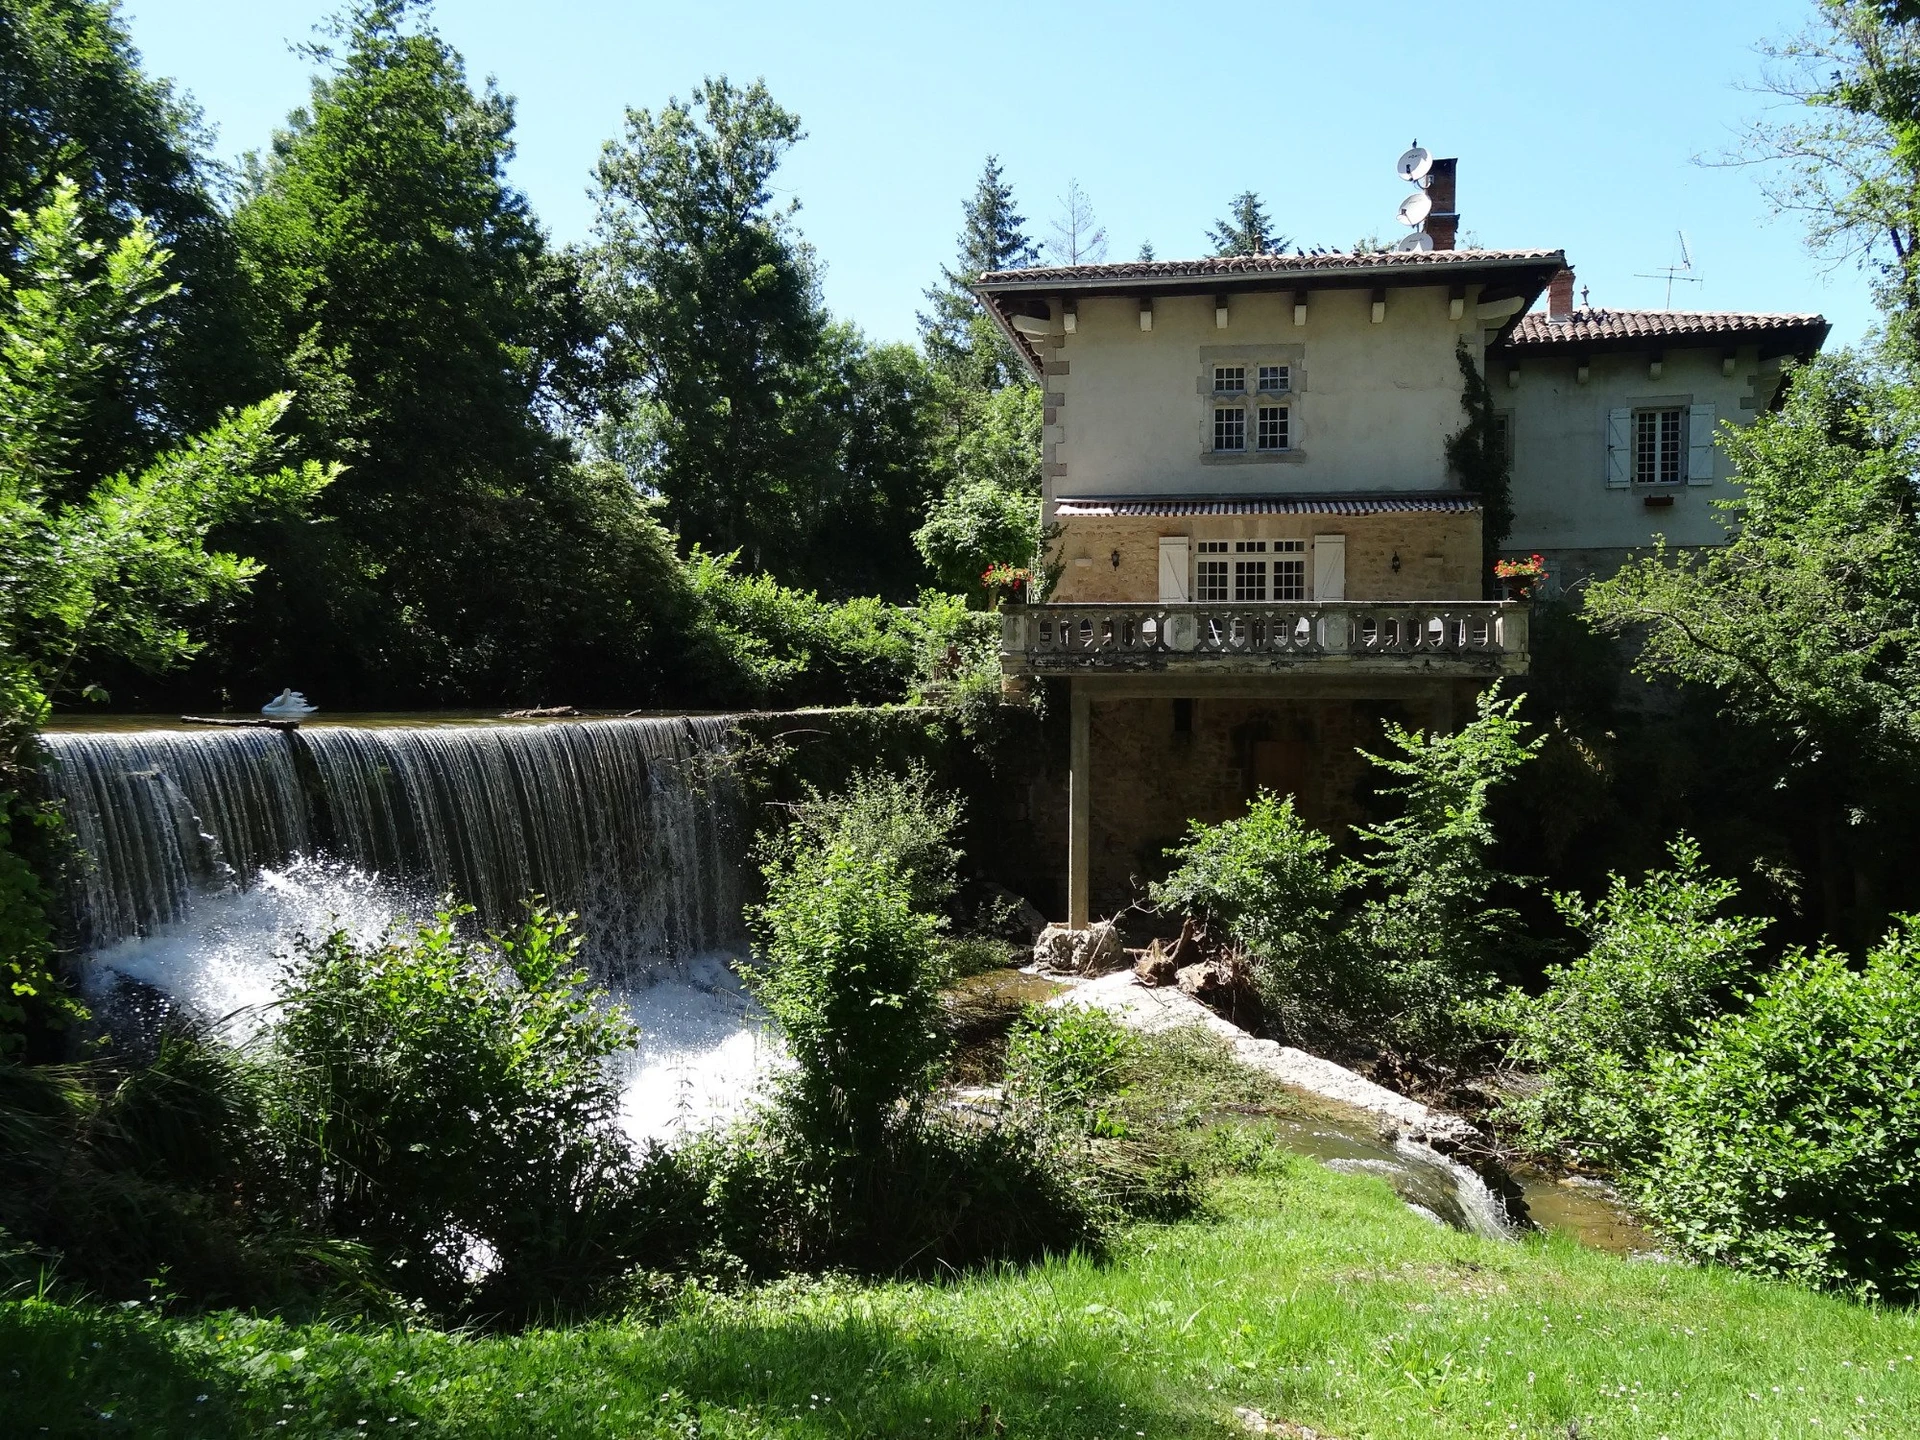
(1429, 935)
(1660, 958)
(1064, 1066)
(849, 969)
(1273, 882)
(1788, 1138)
(900, 820)
(448, 1103)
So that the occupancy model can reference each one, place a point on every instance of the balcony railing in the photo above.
(1455, 635)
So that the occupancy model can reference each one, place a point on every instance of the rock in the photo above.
(1022, 920)
(1155, 967)
(1080, 952)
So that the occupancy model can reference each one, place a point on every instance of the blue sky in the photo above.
(1575, 125)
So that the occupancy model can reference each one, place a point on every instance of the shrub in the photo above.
(1273, 882)
(1660, 957)
(448, 1102)
(1788, 1138)
(1064, 1066)
(900, 820)
(1430, 936)
(848, 967)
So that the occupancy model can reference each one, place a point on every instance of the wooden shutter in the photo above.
(1329, 567)
(1173, 570)
(1619, 449)
(1699, 444)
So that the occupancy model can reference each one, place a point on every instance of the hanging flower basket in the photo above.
(1524, 577)
(1006, 582)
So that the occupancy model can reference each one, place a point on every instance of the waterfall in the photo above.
(207, 855)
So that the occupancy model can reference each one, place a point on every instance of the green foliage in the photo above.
(1806, 620)
(1427, 925)
(961, 342)
(76, 112)
(1064, 1065)
(1789, 1136)
(849, 969)
(1660, 959)
(1246, 229)
(990, 510)
(1475, 453)
(448, 1103)
(898, 819)
(1275, 884)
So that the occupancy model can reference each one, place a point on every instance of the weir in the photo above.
(207, 857)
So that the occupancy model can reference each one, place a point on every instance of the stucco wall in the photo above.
(1439, 553)
(1561, 500)
(1371, 404)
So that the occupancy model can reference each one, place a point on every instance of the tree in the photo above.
(1806, 625)
(764, 427)
(959, 340)
(76, 109)
(990, 510)
(410, 300)
(1078, 238)
(97, 567)
(1246, 229)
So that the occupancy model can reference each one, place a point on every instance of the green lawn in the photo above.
(1315, 1297)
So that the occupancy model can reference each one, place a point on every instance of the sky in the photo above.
(1576, 125)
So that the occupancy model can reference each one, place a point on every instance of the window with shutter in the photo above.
(1619, 449)
(1699, 444)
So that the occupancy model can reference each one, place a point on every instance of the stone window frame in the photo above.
(1249, 358)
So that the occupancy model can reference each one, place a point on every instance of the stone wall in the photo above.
(1439, 553)
(1151, 778)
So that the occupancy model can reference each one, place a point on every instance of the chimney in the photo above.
(1443, 221)
(1560, 298)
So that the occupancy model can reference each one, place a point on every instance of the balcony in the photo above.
(1461, 638)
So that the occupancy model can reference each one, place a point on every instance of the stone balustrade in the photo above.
(1453, 636)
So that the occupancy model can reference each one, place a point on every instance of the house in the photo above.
(1258, 548)
(1610, 417)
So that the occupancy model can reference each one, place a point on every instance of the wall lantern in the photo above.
(1395, 562)
(1115, 558)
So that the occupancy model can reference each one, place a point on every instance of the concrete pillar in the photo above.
(1080, 811)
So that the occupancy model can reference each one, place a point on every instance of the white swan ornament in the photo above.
(288, 705)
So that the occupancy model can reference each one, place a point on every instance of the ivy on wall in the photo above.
(1476, 453)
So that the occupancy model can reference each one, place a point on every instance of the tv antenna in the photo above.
(1683, 272)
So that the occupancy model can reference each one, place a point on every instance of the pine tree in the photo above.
(959, 340)
(1246, 229)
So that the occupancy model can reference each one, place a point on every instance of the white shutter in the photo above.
(1699, 444)
(1173, 570)
(1329, 567)
(1619, 449)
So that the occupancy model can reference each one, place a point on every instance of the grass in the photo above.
(1311, 1296)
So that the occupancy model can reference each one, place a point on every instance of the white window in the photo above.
(1272, 433)
(1210, 573)
(1659, 446)
(1249, 576)
(1275, 379)
(1290, 570)
(1230, 428)
(1229, 379)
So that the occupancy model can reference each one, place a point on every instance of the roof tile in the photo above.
(1260, 265)
(1588, 325)
(1161, 506)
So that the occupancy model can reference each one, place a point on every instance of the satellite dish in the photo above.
(1415, 164)
(1418, 240)
(1415, 207)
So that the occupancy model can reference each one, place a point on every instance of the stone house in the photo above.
(1257, 547)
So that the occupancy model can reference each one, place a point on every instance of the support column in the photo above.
(1080, 810)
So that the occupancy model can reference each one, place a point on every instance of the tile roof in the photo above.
(1229, 265)
(1165, 505)
(1585, 326)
